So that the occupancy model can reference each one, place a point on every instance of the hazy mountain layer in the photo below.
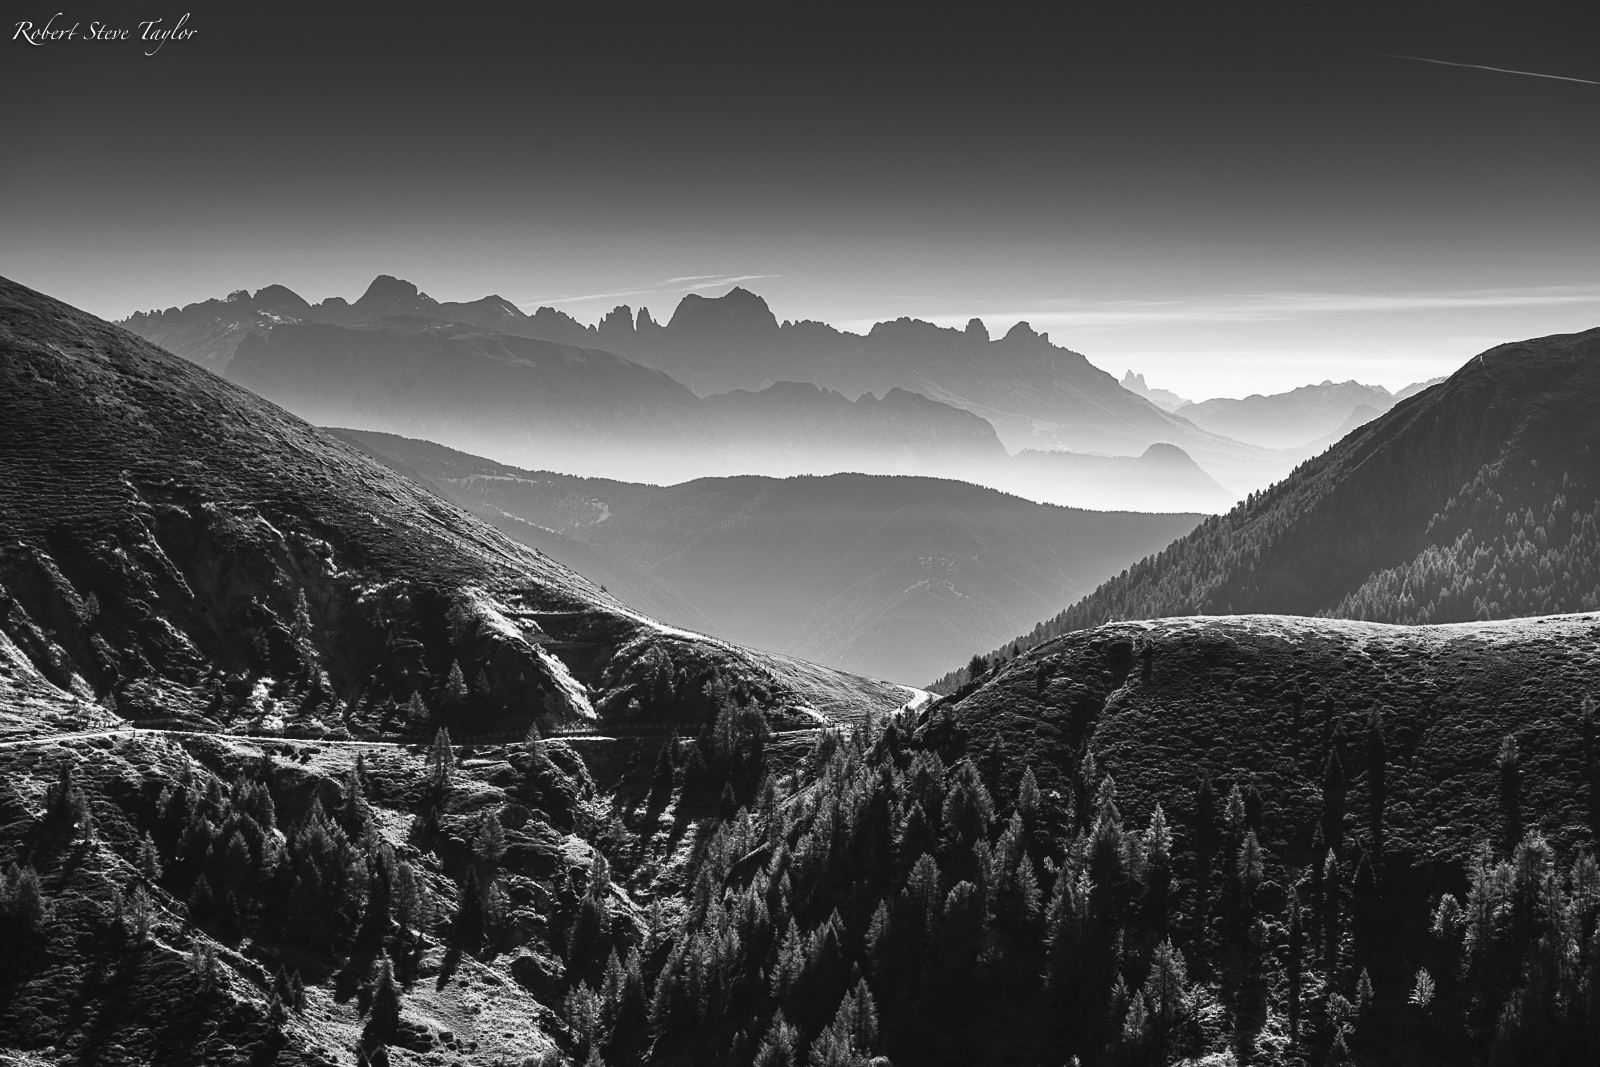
(1164, 478)
(1471, 499)
(901, 431)
(875, 574)
(1165, 399)
(1292, 419)
(594, 413)
(1035, 394)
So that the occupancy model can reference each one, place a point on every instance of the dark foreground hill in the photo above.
(180, 554)
(1474, 499)
(873, 574)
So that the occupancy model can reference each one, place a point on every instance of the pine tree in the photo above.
(440, 766)
(149, 862)
(489, 843)
(779, 1047)
(1166, 989)
(455, 688)
(203, 966)
(582, 1009)
(357, 814)
(138, 915)
(417, 713)
(383, 1024)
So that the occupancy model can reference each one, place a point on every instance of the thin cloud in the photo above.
(666, 286)
(1479, 66)
(1269, 307)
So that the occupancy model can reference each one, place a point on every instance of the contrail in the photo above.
(1479, 66)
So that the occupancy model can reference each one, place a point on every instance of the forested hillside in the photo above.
(1473, 500)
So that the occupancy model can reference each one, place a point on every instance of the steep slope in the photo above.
(1439, 502)
(181, 548)
(875, 574)
(1289, 420)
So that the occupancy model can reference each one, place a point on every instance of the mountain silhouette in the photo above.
(1036, 395)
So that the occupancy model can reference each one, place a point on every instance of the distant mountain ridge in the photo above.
(1165, 399)
(890, 576)
(1292, 419)
(1034, 393)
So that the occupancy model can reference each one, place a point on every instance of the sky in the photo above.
(1227, 198)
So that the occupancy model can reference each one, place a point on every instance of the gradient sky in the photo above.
(1228, 198)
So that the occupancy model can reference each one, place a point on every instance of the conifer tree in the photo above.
(357, 813)
(582, 1009)
(440, 766)
(489, 843)
(417, 713)
(455, 688)
(779, 1047)
(149, 862)
(138, 915)
(383, 1023)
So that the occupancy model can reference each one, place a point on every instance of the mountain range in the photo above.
(889, 577)
(1256, 838)
(1035, 395)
